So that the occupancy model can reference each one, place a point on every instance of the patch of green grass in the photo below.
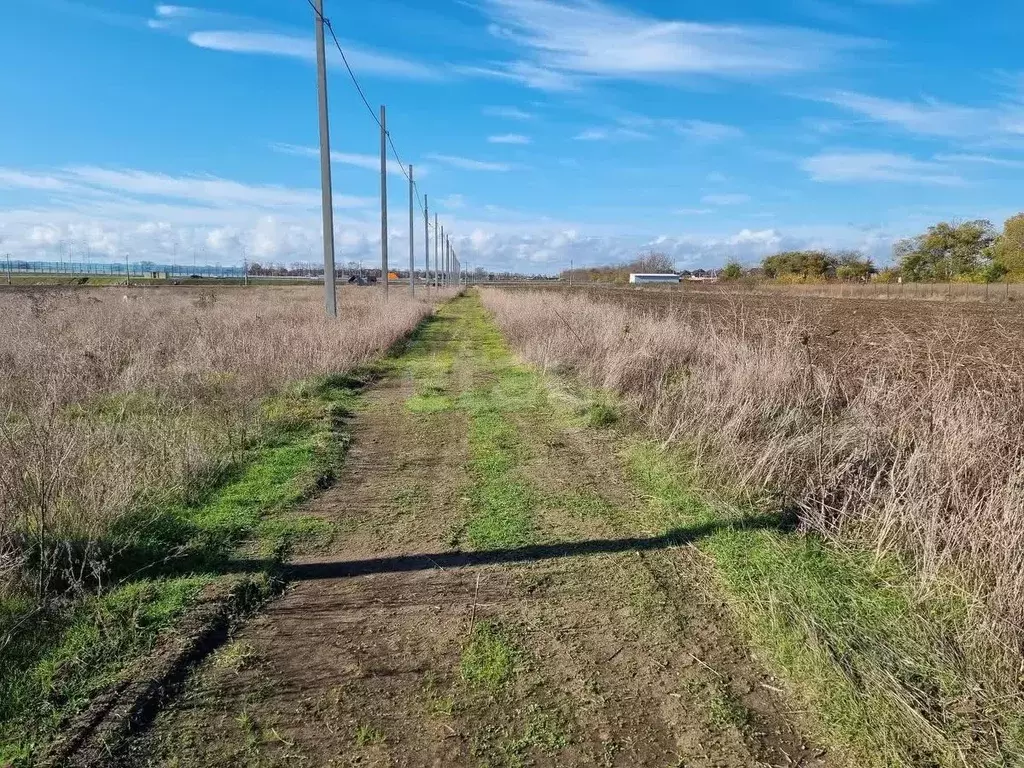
(368, 736)
(503, 502)
(544, 731)
(429, 402)
(601, 414)
(489, 657)
(725, 710)
(879, 665)
(235, 656)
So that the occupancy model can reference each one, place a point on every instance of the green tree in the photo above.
(806, 265)
(946, 251)
(1008, 251)
(853, 265)
(732, 271)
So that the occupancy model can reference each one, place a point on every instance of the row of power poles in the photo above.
(447, 269)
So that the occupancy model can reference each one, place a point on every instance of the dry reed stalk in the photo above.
(110, 395)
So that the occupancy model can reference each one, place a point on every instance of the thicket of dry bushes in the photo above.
(914, 445)
(108, 397)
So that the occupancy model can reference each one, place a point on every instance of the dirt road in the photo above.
(493, 598)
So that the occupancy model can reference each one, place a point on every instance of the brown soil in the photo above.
(620, 652)
(985, 340)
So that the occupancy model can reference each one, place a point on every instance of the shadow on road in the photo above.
(343, 569)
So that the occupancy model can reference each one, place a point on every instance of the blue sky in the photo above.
(541, 131)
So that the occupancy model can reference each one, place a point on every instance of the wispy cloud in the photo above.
(509, 113)
(878, 166)
(369, 162)
(693, 211)
(616, 133)
(565, 43)
(452, 202)
(931, 117)
(702, 130)
(733, 198)
(985, 160)
(89, 182)
(509, 138)
(274, 44)
(469, 164)
(526, 74)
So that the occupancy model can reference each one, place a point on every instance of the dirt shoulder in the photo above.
(492, 599)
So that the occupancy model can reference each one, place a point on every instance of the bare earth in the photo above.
(610, 646)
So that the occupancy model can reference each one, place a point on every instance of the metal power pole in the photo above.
(384, 199)
(440, 274)
(412, 258)
(327, 203)
(437, 250)
(426, 239)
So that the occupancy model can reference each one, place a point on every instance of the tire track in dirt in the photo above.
(394, 648)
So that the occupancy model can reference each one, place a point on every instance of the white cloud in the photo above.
(566, 43)
(11, 178)
(173, 11)
(715, 177)
(368, 162)
(734, 198)
(509, 138)
(469, 164)
(363, 61)
(94, 188)
(611, 134)
(877, 166)
(702, 130)
(218, 218)
(452, 202)
(509, 113)
(693, 211)
(526, 74)
(988, 160)
(930, 117)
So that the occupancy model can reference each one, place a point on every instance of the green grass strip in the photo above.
(878, 666)
(58, 660)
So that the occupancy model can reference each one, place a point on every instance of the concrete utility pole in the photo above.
(8, 269)
(384, 199)
(426, 240)
(327, 203)
(436, 250)
(412, 258)
(440, 275)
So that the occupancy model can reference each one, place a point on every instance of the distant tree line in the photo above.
(973, 251)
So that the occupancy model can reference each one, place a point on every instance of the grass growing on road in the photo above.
(502, 499)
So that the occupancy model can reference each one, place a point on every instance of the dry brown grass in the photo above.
(914, 445)
(109, 396)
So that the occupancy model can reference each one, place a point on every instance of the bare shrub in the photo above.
(109, 397)
(908, 445)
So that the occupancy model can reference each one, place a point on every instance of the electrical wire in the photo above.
(359, 89)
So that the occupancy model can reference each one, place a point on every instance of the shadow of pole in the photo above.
(343, 569)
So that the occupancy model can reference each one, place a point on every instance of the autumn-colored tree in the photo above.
(946, 251)
(1008, 251)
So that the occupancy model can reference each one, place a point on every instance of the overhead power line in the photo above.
(362, 95)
